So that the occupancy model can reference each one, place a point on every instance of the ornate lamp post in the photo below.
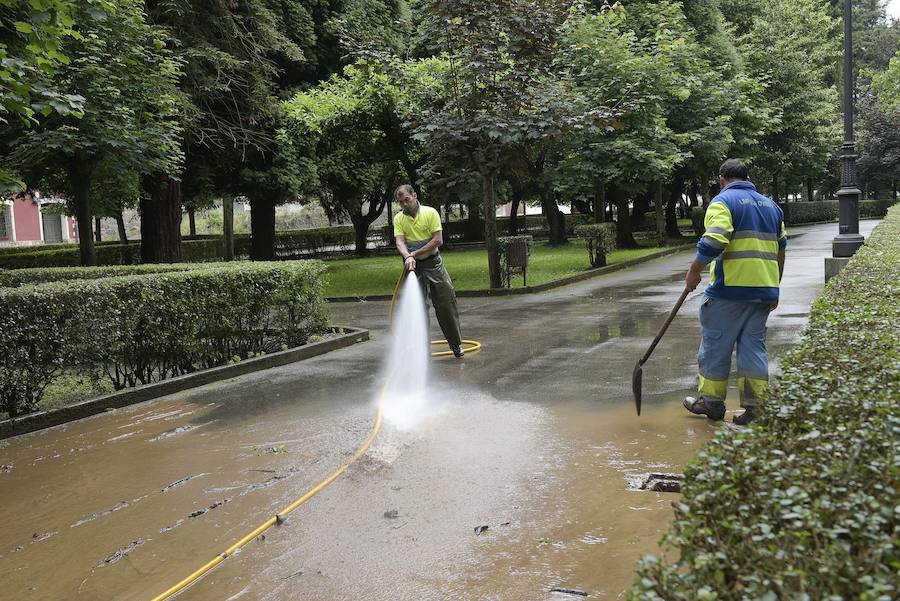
(848, 239)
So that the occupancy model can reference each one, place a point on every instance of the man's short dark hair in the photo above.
(408, 189)
(734, 169)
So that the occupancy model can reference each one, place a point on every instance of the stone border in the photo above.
(572, 279)
(45, 419)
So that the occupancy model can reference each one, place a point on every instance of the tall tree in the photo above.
(501, 89)
(32, 35)
(127, 76)
(791, 49)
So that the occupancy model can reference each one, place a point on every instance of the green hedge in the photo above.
(133, 330)
(473, 231)
(806, 504)
(42, 275)
(601, 240)
(798, 213)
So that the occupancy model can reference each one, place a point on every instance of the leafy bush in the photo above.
(42, 275)
(805, 505)
(503, 243)
(134, 330)
(601, 240)
(798, 213)
(698, 214)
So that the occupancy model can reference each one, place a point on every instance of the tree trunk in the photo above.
(693, 194)
(639, 212)
(775, 196)
(169, 230)
(376, 200)
(228, 228)
(192, 222)
(674, 198)
(98, 236)
(660, 215)
(120, 225)
(490, 225)
(160, 219)
(556, 221)
(148, 228)
(79, 177)
(472, 224)
(599, 201)
(624, 237)
(518, 195)
(262, 229)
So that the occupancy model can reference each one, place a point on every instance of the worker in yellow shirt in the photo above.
(418, 235)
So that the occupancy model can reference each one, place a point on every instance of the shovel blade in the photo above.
(636, 384)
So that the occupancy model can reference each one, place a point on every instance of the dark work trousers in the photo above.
(436, 284)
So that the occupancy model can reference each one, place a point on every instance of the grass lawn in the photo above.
(468, 268)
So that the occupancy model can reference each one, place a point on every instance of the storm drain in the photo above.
(662, 483)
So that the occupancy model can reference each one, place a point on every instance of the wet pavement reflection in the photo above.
(520, 480)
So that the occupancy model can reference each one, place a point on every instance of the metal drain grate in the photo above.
(662, 483)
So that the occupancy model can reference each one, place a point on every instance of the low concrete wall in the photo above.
(44, 419)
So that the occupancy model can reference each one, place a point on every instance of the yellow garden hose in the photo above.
(279, 517)
(474, 345)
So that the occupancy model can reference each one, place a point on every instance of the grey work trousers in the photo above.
(436, 284)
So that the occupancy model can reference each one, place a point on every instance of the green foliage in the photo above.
(887, 84)
(134, 329)
(879, 146)
(791, 50)
(31, 49)
(803, 505)
(42, 275)
(601, 240)
(127, 76)
(613, 64)
(798, 213)
(828, 210)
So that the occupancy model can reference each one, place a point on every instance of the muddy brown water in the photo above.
(535, 438)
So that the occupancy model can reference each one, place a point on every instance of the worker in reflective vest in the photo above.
(744, 243)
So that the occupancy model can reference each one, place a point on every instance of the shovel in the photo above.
(638, 368)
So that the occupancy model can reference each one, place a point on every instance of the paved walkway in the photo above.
(535, 437)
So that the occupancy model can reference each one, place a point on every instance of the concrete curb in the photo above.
(572, 279)
(45, 419)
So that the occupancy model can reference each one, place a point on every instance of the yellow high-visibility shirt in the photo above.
(418, 230)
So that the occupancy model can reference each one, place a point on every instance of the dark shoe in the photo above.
(457, 352)
(746, 417)
(714, 410)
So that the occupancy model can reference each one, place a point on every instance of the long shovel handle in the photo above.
(665, 326)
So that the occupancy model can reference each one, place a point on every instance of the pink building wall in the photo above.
(27, 216)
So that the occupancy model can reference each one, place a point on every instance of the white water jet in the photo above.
(405, 394)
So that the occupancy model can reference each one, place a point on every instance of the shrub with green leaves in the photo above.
(798, 213)
(135, 329)
(601, 240)
(804, 505)
(42, 275)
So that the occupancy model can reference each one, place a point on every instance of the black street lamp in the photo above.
(848, 239)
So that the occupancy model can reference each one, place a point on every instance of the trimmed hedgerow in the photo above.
(134, 329)
(798, 213)
(42, 275)
(601, 240)
(805, 504)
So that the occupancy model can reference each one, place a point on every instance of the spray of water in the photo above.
(405, 399)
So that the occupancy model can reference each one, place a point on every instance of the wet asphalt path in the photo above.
(534, 437)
